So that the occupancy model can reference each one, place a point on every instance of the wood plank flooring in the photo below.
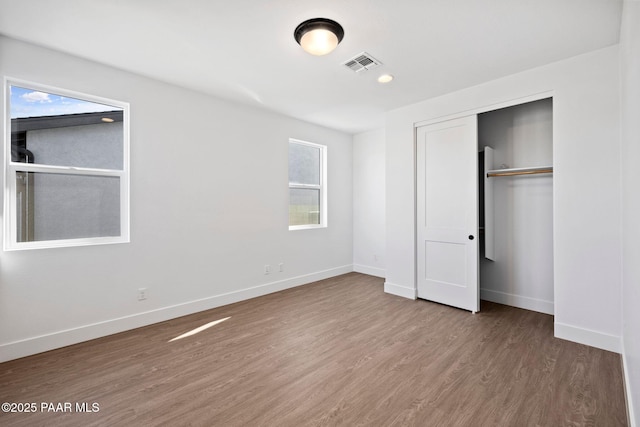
(338, 352)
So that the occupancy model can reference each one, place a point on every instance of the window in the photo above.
(307, 185)
(66, 163)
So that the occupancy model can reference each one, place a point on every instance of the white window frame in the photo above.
(10, 169)
(322, 187)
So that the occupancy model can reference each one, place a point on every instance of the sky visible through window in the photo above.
(33, 103)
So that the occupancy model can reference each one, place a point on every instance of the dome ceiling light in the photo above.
(319, 36)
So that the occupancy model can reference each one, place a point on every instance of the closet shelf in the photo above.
(519, 171)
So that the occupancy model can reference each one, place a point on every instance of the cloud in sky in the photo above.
(35, 96)
(27, 102)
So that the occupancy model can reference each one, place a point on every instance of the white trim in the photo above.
(588, 337)
(486, 108)
(306, 227)
(324, 223)
(528, 303)
(7, 188)
(398, 290)
(66, 243)
(9, 169)
(627, 392)
(371, 271)
(543, 306)
(30, 346)
(66, 170)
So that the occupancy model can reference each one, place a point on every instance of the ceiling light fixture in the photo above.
(385, 78)
(319, 36)
(107, 120)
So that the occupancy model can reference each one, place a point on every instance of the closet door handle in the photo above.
(471, 237)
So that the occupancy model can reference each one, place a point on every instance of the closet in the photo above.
(515, 165)
(484, 208)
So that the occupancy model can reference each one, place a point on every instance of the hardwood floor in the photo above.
(335, 352)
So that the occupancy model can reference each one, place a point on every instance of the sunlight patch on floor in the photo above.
(199, 329)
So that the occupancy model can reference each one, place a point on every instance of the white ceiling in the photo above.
(243, 50)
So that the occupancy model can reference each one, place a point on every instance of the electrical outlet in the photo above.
(142, 294)
(267, 269)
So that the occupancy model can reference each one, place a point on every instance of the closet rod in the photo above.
(519, 171)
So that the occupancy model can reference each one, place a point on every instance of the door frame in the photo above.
(465, 113)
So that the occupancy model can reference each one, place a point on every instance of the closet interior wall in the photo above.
(521, 273)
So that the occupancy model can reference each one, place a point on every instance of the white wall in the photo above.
(630, 89)
(521, 273)
(209, 208)
(587, 196)
(369, 203)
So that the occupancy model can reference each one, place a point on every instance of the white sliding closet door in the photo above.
(447, 213)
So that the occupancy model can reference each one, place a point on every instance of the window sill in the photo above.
(63, 243)
(306, 227)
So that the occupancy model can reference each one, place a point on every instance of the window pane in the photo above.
(304, 164)
(304, 206)
(50, 129)
(64, 206)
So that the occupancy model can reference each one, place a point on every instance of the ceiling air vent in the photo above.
(362, 62)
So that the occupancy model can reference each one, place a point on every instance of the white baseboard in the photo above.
(30, 346)
(627, 391)
(401, 291)
(534, 304)
(371, 271)
(588, 337)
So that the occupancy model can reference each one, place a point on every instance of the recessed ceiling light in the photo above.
(385, 78)
(319, 36)
(108, 120)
